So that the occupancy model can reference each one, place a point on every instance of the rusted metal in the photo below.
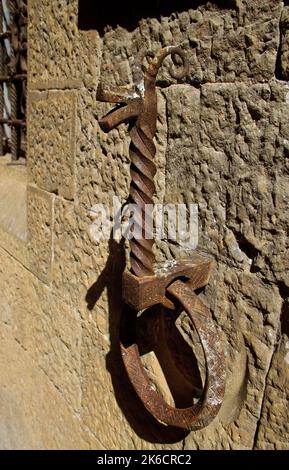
(12, 87)
(204, 411)
(7, 34)
(13, 122)
(13, 114)
(173, 282)
(13, 78)
(144, 292)
(141, 105)
(13, 72)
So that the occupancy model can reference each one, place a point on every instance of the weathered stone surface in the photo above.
(229, 168)
(223, 44)
(17, 248)
(13, 209)
(59, 345)
(52, 123)
(13, 214)
(38, 361)
(183, 110)
(273, 431)
(54, 34)
(242, 126)
(78, 258)
(34, 415)
(40, 226)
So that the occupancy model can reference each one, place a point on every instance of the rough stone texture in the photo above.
(224, 44)
(223, 143)
(13, 215)
(40, 226)
(13, 209)
(55, 37)
(40, 364)
(275, 410)
(52, 121)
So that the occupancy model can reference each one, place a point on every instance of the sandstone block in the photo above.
(52, 123)
(54, 33)
(273, 430)
(40, 226)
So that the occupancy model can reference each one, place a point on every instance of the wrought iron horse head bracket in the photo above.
(148, 283)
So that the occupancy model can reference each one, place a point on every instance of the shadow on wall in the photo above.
(125, 325)
(128, 13)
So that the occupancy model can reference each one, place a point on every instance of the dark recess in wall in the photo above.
(284, 292)
(285, 318)
(128, 13)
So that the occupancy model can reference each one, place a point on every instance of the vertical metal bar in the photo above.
(141, 106)
(23, 20)
(2, 84)
(13, 92)
(13, 116)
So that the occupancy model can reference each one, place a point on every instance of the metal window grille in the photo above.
(13, 77)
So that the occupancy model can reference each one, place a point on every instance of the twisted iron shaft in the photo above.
(141, 107)
(142, 189)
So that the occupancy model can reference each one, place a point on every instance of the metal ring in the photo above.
(205, 410)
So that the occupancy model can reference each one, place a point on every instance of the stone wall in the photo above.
(222, 142)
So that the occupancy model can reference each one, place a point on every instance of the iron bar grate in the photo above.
(13, 77)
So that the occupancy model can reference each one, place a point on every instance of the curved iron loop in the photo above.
(204, 411)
